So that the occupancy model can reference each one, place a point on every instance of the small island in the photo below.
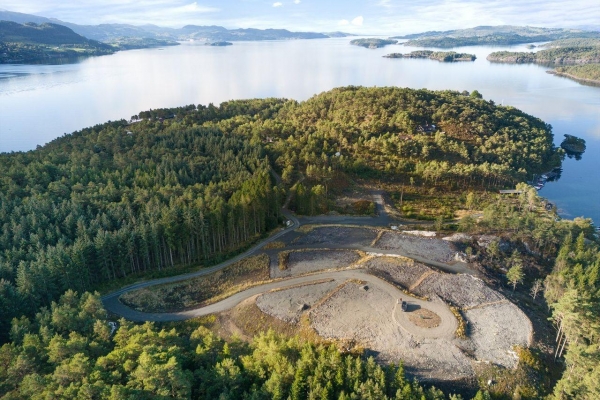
(372, 43)
(218, 44)
(442, 56)
(573, 145)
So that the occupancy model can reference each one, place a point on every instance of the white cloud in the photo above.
(344, 22)
(358, 21)
(297, 2)
(278, 4)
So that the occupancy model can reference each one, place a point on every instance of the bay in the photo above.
(41, 102)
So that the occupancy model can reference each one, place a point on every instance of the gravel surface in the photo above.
(496, 329)
(398, 270)
(338, 235)
(460, 290)
(302, 262)
(432, 249)
(289, 304)
(366, 317)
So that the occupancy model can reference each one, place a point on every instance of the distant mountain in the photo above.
(111, 32)
(45, 33)
(493, 35)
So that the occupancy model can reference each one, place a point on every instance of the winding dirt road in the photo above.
(112, 304)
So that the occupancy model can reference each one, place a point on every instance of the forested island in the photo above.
(219, 44)
(372, 43)
(172, 190)
(503, 35)
(442, 56)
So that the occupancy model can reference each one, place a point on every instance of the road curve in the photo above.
(447, 325)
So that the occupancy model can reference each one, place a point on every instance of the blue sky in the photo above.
(361, 17)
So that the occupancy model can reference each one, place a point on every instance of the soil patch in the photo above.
(429, 248)
(338, 235)
(306, 261)
(460, 290)
(424, 318)
(202, 290)
(401, 271)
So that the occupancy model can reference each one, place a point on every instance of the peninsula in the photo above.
(503, 35)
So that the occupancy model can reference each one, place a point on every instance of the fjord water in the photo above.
(41, 102)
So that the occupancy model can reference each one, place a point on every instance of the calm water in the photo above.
(39, 103)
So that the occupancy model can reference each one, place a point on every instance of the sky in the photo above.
(384, 17)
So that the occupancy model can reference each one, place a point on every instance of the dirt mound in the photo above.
(424, 318)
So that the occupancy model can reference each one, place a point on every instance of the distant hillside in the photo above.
(46, 33)
(32, 43)
(111, 32)
(493, 35)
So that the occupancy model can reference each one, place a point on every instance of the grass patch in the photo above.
(202, 290)
(283, 258)
(274, 245)
(461, 330)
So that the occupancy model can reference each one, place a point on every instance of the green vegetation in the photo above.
(31, 43)
(443, 56)
(117, 200)
(586, 73)
(130, 43)
(558, 55)
(202, 290)
(372, 43)
(69, 352)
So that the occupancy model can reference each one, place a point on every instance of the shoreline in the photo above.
(592, 82)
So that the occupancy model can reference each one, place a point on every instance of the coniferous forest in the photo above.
(191, 186)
